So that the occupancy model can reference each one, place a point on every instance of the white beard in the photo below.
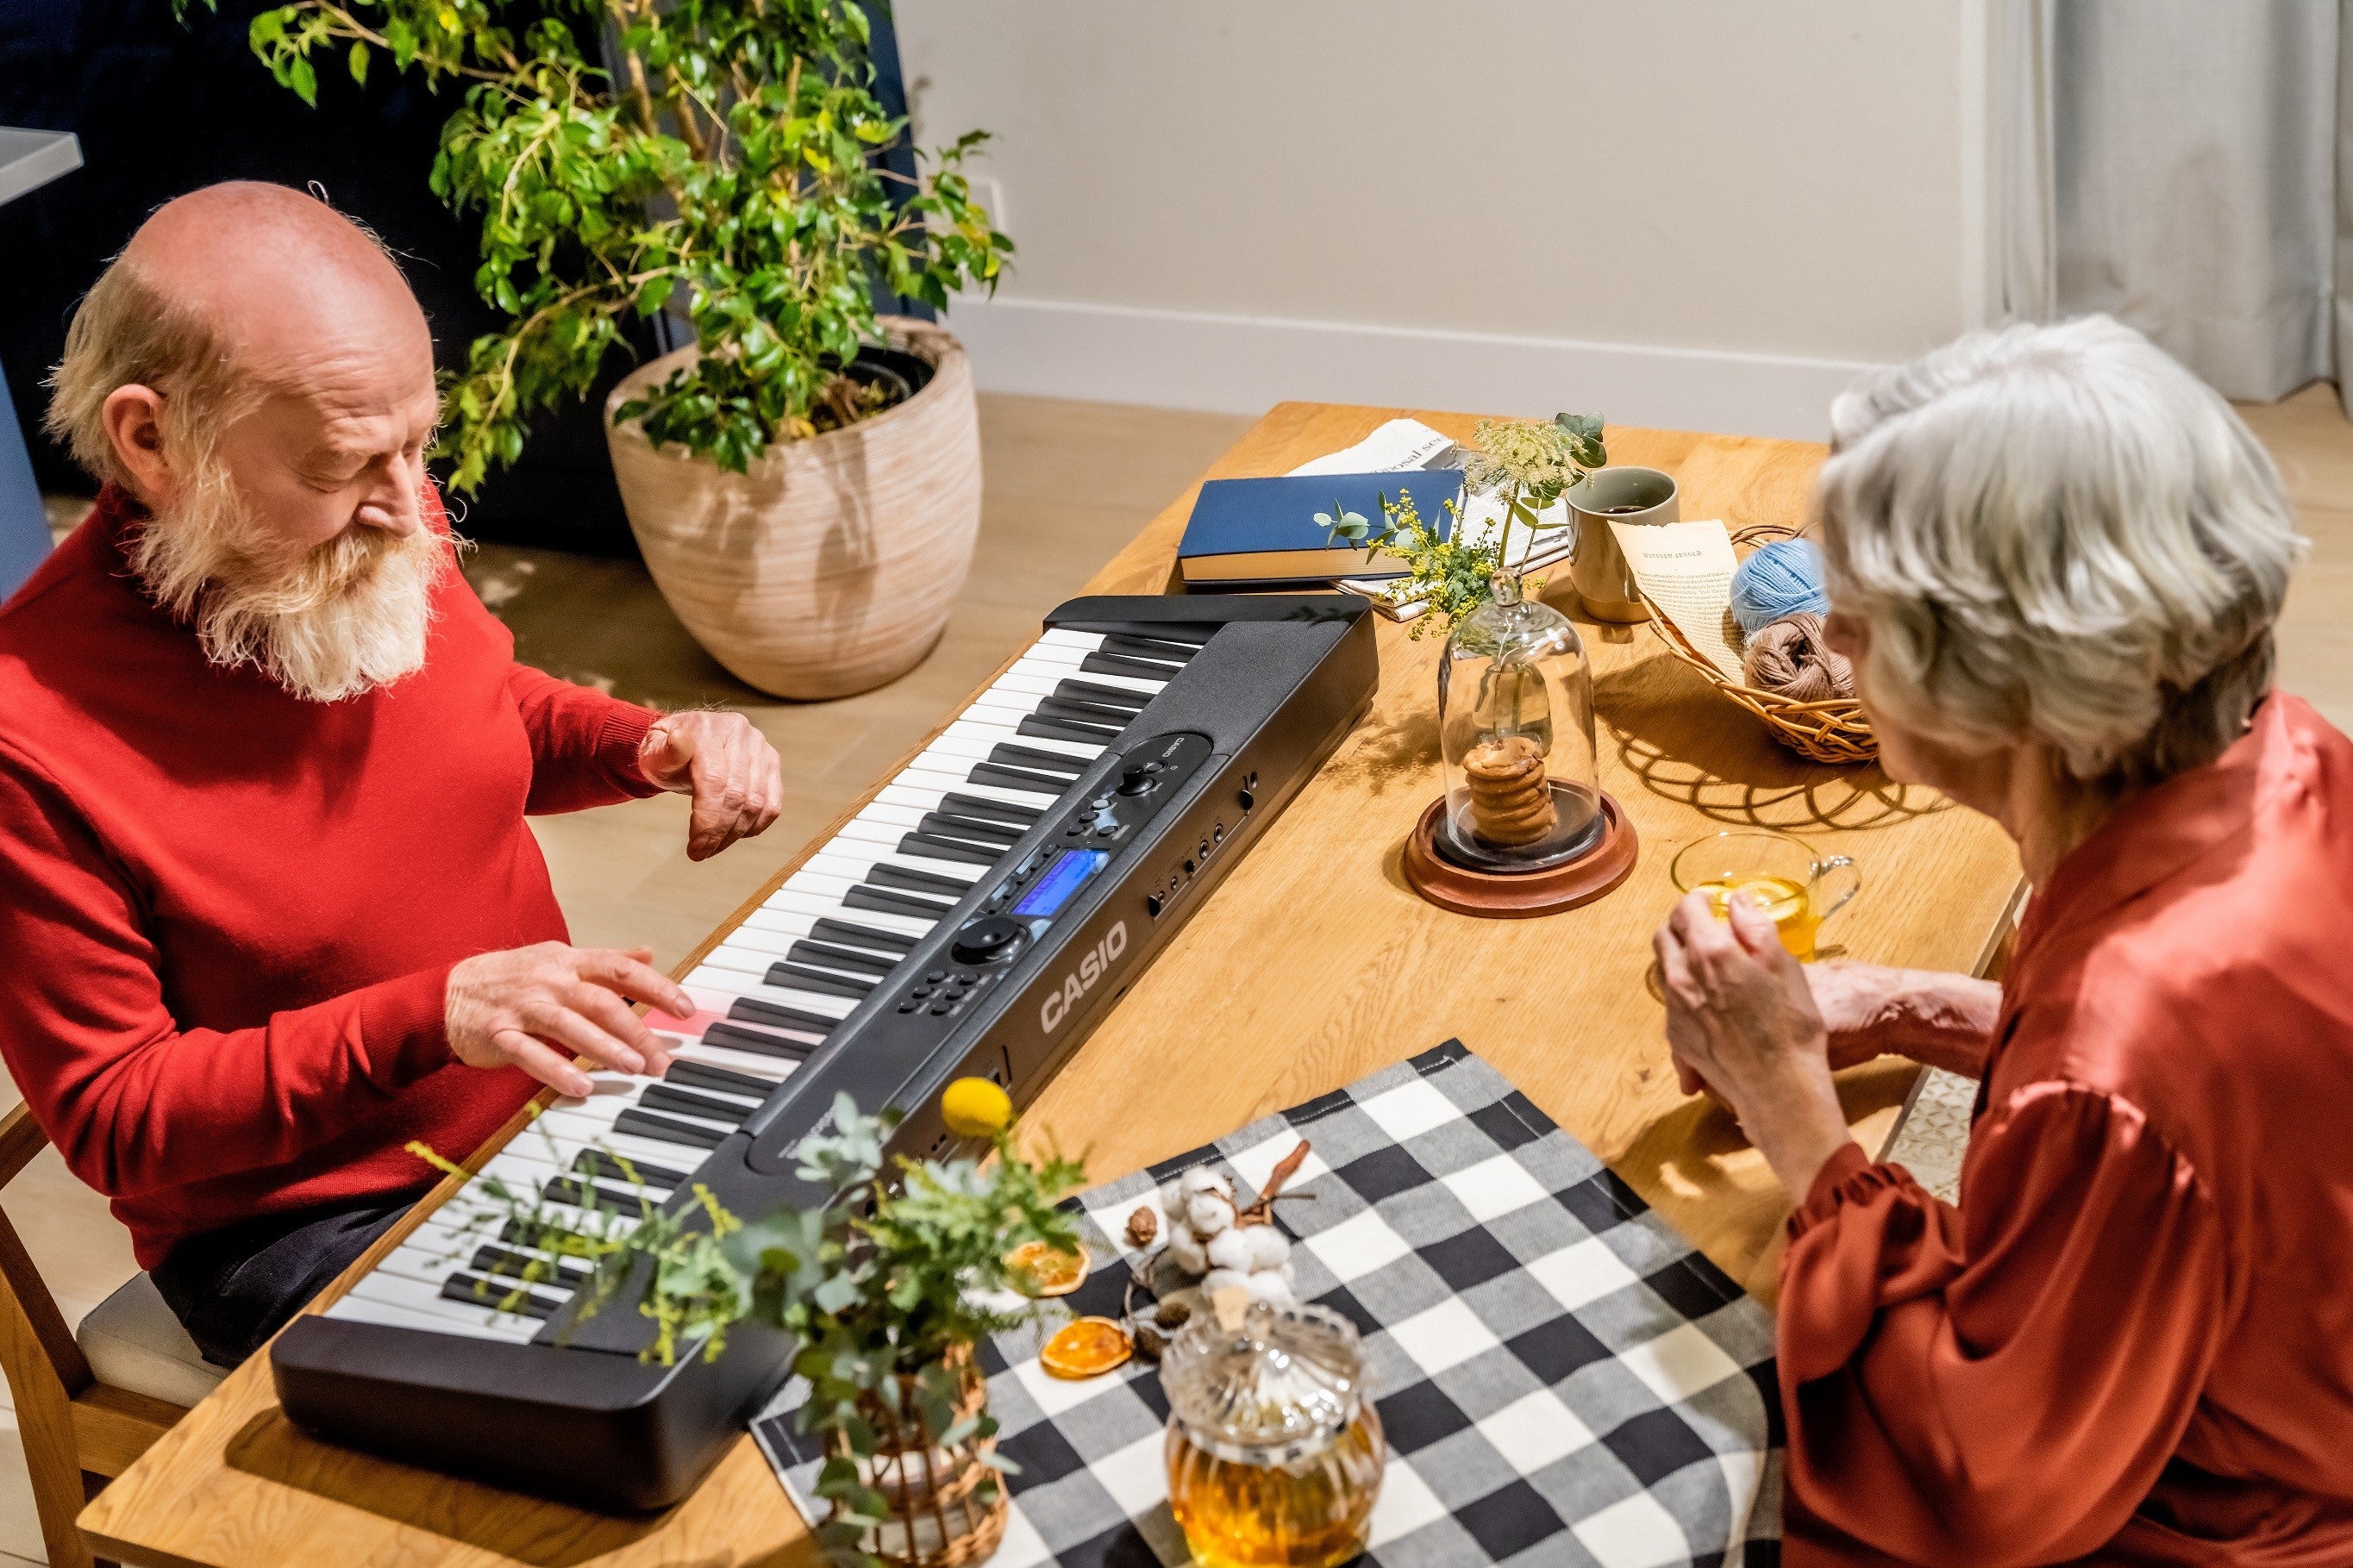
(350, 617)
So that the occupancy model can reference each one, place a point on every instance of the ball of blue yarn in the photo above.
(1777, 579)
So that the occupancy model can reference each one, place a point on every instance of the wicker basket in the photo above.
(937, 1518)
(1832, 731)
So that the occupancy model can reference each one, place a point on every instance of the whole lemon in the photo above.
(975, 1107)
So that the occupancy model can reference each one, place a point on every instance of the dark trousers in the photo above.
(234, 1288)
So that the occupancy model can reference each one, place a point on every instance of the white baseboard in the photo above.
(1244, 365)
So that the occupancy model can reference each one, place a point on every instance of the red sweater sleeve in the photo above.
(584, 745)
(132, 1101)
(2001, 1386)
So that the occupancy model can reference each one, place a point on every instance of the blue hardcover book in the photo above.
(1264, 530)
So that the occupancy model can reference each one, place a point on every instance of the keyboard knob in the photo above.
(1134, 779)
(990, 940)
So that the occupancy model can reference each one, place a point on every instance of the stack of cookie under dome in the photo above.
(1511, 800)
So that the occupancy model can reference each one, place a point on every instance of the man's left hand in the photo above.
(725, 764)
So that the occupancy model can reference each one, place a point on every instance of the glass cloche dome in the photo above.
(1515, 729)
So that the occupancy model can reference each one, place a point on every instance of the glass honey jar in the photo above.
(1274, 1453)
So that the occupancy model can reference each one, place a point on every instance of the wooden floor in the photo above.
(1068, 483)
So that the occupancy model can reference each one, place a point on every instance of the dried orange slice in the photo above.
(1086, 1347)
(1048, 1272)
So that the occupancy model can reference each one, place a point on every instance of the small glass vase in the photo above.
(1515, 732)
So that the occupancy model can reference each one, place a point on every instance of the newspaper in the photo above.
(1685, 569)
(1404, 446)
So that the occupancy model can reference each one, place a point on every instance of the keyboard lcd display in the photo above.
(1049, 892)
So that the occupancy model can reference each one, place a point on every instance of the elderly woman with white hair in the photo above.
(2056, 560)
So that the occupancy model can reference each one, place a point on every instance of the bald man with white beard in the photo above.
(269, 905)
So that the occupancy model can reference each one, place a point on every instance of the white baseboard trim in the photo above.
(1244, 365)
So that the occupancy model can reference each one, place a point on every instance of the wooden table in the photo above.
(1312, 965)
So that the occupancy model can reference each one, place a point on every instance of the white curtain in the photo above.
(2180, 164)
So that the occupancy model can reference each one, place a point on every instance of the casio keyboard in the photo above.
(978, 917)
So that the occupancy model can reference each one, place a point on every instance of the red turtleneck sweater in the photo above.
(228, 915)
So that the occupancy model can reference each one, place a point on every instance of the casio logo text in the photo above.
(1082, 980)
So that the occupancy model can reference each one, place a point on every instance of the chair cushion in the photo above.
(133, 1341)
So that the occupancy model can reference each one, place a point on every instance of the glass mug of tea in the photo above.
(1781, 876)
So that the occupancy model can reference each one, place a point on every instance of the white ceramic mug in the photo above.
(1596, 566)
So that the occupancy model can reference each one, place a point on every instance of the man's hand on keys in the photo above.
(537, 1007)
(725, 764)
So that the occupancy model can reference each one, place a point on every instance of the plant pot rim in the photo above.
(909, 334)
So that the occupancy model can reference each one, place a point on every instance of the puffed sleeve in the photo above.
(2000, 1385)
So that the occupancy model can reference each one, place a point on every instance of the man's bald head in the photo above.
(274, 276)
(224, 296)
(254, 371)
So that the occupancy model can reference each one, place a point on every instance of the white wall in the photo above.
(1698, 214)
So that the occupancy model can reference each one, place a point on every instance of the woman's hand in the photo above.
(1742, 1023)
(1859, 1004)
(537, 1007)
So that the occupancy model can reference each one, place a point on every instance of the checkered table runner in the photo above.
(1563, 1380)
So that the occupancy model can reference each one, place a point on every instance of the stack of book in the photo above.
(1262, 533)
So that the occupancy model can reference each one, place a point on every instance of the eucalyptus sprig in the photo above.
(731, 173)
(1529, 464)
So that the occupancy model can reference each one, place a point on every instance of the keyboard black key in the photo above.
(931, 884)
(846, 934)
(1192, 634)
(1007, 755)
(686, 1102)
(500, 1261)
(825, 955)
(668, 1129)
(793, 976)
(1016, 778)
(971, 829)
(1063, 729)
(701, 1075)
(1174, 653)
(984, 810)
(776, 1016)
(605, 1162)
(890, 903)
(483, 1290)
(1112, 664)
(583, 1194)
(1111, 721)
(546, 1237)
(1086, 693)
(758, 1042)
(933, 847)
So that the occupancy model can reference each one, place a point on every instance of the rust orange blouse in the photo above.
(2133, 1341)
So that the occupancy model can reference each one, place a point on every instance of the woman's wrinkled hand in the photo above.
(1859, 1004)
(1743, 1024)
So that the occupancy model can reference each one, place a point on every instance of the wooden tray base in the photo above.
(1501, 896)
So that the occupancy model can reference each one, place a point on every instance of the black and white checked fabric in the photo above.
(1563, 1380)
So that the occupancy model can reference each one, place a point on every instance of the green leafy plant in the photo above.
(731, 172)
(901, 1266)
(1527, 463)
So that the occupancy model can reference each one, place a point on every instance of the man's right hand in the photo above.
(537, 1007)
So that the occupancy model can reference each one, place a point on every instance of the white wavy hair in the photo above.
(2059, 532)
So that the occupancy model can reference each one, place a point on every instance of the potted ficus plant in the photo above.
(886, 1289)
(804, 477)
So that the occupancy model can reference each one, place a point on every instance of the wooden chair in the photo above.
(79, 1432)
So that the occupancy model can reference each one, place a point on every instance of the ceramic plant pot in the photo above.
(832, 566)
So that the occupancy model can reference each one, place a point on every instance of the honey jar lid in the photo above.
(1260, 1384)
